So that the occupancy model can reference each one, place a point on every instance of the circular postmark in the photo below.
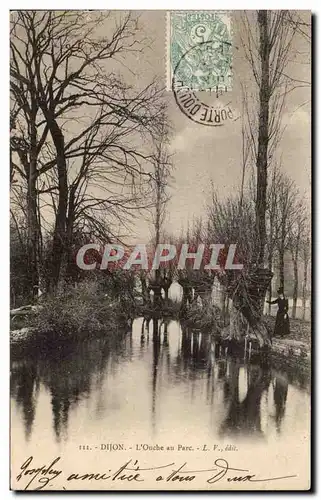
(211, 69)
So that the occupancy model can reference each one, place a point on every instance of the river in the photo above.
(97, 390)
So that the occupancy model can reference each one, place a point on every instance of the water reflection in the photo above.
(155, 376)
(24, 389)
(244, 416)
(280, 392)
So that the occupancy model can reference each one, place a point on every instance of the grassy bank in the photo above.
(87, 311)
(77, 313)
(84, 311)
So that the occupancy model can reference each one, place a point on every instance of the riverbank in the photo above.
(83, 314)
(294, 350)
(76, 313)
(300, 330)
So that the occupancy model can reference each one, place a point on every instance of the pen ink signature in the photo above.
(41, 477)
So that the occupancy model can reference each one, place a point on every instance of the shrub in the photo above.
(206, 317)
(78, 311)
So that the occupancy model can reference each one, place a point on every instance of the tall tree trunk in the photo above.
(295, 285)
(304, 290)
(281, 263)
(59, 236)
(270, 284)
(187, 297)
(263, 135)
(32, 211)
(68, 260)
(145, 292)
(157, 289)
(32, 229)
(295, 257)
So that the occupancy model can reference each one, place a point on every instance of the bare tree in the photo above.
(267, 44)
(24, 154)
(227, 223)
(272, 217)
(160, 176)
(287, 197)
(295, 244)
(306, 257)
(299, 246)
(159, 179)
(78, 118)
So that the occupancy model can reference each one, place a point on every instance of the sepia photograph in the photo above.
(160, 250)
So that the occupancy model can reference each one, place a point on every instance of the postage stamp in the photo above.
(200, 50)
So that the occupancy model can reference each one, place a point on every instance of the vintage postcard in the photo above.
(160, 253)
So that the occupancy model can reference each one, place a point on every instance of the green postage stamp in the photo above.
(199, 50)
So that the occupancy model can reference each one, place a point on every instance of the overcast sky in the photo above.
(203, 154)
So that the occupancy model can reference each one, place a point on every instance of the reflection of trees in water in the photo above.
(161, 357)
(194, 352)
(198, 353)
(295, 376)
(68, 375)
(24, 388)
(156, 351)
(244, 417)
(189, 356)
(165, 353)
(68, 381)
(280, 393)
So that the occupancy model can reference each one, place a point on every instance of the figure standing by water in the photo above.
(282, 322)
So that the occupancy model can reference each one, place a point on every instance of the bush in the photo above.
(206, 318)
(78, 311)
